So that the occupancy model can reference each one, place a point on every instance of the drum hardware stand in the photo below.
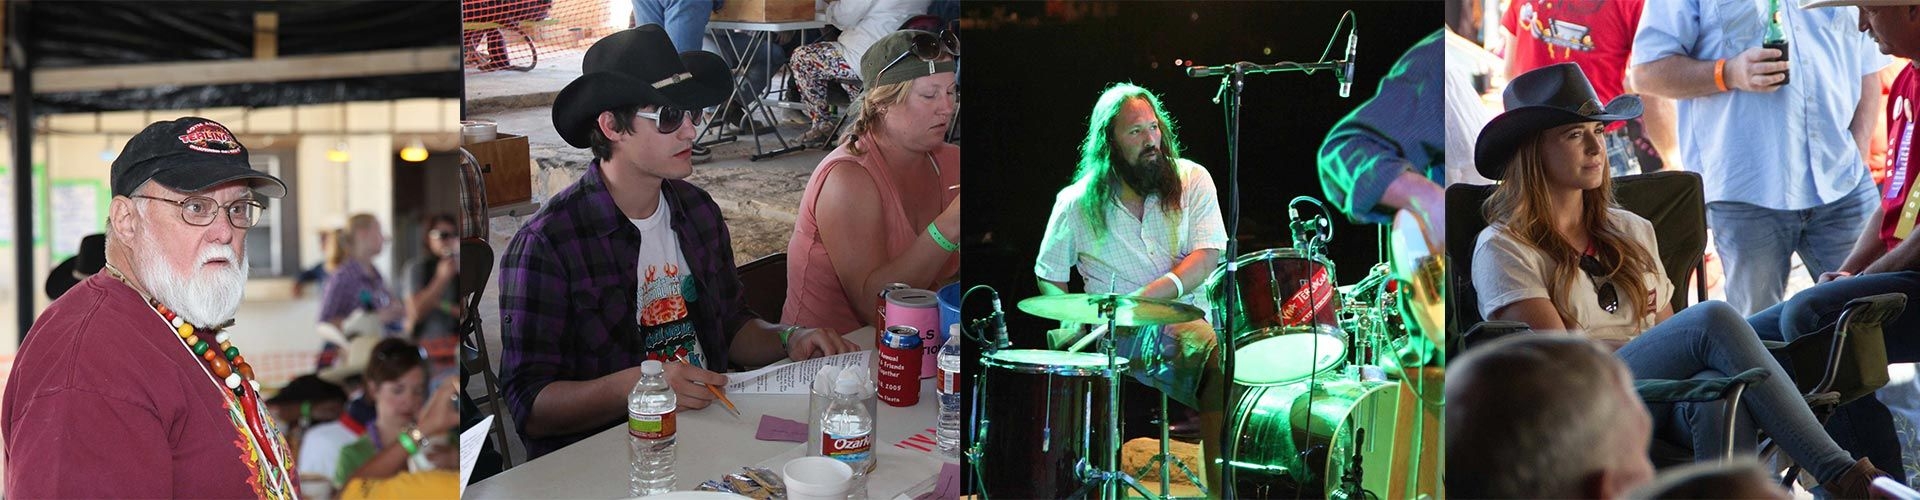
(1166, 458)
(1110, 481)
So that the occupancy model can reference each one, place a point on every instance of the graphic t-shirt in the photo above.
(1898, 199)
(666, 289)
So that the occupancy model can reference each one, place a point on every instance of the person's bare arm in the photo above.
(1867, 249)
(758, 343)
(1415, 192)
(1051, 287)
(1866, 116)
(1659, 119)
(855, 236)
(1681, 77)
(1192, 271)
(1903, 257)
(1537, 313)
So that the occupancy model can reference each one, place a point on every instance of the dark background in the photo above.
(1033, 70)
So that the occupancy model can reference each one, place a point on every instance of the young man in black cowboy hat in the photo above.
(631, 262)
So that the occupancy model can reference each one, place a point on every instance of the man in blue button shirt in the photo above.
(1782, 162)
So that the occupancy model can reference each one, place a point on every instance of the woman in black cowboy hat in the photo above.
(630, 263)
(1559, 255)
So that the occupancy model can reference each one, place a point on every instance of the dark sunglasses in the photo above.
(1609, 298)
(667, 120)
(927, 47)
(441, 235)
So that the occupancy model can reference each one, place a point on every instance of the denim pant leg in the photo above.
(1712, 336)
(1815, 308)
(1833, 228)
(1170, 358)
(1703, 425)
(684, 20)
(1756, 247)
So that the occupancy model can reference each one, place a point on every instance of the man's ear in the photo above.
(605, 122)
(122, 218)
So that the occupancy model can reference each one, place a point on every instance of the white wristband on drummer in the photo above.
(1180, 289)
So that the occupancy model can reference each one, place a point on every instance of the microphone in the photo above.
(1346, 79)
(1209, 71)
(1295, 227)
(999, 324)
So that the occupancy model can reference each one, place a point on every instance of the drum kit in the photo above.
(1331, 383)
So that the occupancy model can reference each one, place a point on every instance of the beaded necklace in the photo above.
(229, 369)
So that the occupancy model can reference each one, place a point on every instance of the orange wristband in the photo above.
(1720, 74)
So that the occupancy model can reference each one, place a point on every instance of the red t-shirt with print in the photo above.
(1900, 173)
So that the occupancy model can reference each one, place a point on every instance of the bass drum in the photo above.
(1333, 442)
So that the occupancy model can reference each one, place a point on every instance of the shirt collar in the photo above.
(604, 214)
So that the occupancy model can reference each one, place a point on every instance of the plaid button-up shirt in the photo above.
(567, 293)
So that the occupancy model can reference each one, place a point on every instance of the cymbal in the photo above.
(1127, 310)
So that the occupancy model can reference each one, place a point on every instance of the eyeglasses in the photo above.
(1609, 298)
(927, 47)
(441, 235)
(667, 120)
(200, 211)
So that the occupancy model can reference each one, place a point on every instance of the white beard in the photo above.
(207, 298)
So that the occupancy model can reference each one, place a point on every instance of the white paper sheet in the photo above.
(791, 378)
(471, 440)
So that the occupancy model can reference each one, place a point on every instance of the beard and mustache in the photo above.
(202, 297)
(1147, 176)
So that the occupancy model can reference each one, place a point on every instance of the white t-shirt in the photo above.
(320, 448)
(1507, 270)
(666, 289)
(1133, 252)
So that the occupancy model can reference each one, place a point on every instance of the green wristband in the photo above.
(940, 239)
(787, 332)
(406, 441)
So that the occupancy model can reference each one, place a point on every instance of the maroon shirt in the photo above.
(104, 401)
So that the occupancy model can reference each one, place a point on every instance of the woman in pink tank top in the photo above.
(884, 207)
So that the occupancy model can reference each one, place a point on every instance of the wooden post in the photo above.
(266, 35)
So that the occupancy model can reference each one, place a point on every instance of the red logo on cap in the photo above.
(208, 137)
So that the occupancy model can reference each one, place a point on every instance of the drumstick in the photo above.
(716, 392)
(1098, 332)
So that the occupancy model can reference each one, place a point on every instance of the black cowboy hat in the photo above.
(1538, 100)
(637, 66)
(92, 256)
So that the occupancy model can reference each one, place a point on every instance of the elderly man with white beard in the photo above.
(128, 385)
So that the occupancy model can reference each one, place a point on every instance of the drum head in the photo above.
(1296, 444)
(1054, 362)
(1275, 356)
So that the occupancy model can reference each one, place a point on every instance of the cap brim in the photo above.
(1497, 142)
(582, 100)
(195, 175)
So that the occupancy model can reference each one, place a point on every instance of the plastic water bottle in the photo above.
(947, 434)
(846, 433)
(650, 429)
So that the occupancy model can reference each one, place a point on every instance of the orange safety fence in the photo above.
(514, 34)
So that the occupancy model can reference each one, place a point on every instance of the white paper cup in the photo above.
(816, 478)
(472, 131)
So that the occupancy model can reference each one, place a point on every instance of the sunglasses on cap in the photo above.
(1609, 298)
(928, 47)
(667, 119)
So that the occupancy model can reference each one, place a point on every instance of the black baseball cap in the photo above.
(190, 154)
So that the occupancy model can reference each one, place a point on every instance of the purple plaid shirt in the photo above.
(567, 293)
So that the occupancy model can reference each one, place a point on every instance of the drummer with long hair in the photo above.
(1140, 220)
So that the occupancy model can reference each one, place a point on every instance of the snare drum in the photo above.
(1043, 413)
(1286, 330)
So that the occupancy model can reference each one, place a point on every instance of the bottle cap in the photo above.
(651, 367)
(846, 387)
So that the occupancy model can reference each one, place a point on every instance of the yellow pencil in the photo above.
(716, 392)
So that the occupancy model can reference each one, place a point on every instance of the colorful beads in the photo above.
(209, 355)
(232, 352)
(247, 370)
(233, 381)
(220, 367)
(192, 339)
(200, 349)
(185, 330)
(222, 337)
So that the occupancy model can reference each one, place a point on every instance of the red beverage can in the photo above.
(899, 378)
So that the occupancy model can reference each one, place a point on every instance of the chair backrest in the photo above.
(1673, 201)
(765, 280)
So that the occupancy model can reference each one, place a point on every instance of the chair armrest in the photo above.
(1695, 390)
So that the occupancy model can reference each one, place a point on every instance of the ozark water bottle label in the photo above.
(651, 426)
(948, 383)
(849, 449)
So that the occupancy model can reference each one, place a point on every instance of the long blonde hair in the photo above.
(344, 244)
(1524, 204)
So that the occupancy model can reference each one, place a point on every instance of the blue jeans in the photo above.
(684, 20)
(1756, 244)
(1709, 339)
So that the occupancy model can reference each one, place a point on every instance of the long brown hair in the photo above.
(343, 240)
(1099, 159)
(1524, 204)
